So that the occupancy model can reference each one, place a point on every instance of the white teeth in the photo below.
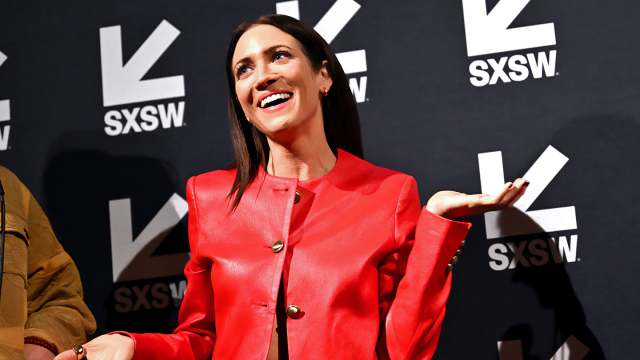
(273, 97)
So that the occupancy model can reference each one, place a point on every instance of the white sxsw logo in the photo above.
(123, 84)
(572, 349)
(329, 27)
(131, 259)
(5, 115)
(519, 72)
(506, 223)
(160, 296)
(488, 33)
(536, 249)
(149, 115)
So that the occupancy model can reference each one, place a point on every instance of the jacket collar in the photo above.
(343, 170)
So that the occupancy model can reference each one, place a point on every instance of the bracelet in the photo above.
(43, 344)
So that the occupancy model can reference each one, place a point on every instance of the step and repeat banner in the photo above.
(108, 107)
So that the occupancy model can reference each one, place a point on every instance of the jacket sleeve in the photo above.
(57, 314)
(414, 282)
(195, 337)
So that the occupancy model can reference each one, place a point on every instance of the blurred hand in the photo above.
(452, 205)
(36, 352)
(105, 347)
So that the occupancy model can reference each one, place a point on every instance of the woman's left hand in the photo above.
(452, 205)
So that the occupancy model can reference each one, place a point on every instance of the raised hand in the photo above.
(105, 347)
(452, 205)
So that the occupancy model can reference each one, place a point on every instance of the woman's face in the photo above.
(275, 83)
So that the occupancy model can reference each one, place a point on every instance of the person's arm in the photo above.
(195, 338)
(414, 280)
(57, 314)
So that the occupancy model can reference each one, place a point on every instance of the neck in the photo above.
(307, 156)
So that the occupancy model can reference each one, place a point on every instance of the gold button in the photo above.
(293, 311)
(454, 260)
(277, 246)
(297, 199)
(458, 252)
(449, 267)
(462, 244)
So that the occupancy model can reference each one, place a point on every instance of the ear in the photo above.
(325, 78)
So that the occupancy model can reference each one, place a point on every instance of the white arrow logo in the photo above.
(572, 349)
(508, 222)
(123, 84)
(488, 33)
(5, 115)
(132, 260)
(330, 26)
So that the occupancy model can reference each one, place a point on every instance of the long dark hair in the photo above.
(341, 120)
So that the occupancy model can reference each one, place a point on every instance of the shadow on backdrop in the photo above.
(600, 181)
(554, 290)
(78, 185)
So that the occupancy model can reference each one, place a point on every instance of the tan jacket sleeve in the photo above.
(56, 311)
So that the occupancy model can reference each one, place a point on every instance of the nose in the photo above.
(265, 77)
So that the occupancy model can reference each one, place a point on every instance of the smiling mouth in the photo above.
(275, 99)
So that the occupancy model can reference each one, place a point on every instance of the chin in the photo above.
(278, 125)
(284, 128)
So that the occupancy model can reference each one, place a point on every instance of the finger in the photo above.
(67, 355)
(520, 192)
(498, 198)
(513, 192)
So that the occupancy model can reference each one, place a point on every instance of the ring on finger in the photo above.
(81, 353)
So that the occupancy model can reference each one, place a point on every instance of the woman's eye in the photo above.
(279, 56)
(242, 71)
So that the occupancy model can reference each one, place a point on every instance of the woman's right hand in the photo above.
(105, 347)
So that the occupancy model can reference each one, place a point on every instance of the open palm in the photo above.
(452, 204)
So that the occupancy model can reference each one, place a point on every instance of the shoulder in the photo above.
(9, 179)
(15, 191)
(391, 190)
(19, 201)
(216, 178)
(212, 183)
(359, 171)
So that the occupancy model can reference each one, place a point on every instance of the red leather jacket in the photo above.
(350, 263)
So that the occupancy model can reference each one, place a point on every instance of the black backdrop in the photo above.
(533, 285)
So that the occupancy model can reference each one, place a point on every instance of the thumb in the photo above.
(67, 355)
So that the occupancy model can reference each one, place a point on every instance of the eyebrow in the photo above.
(266, 51)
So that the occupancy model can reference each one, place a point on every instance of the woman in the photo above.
(303, 250)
